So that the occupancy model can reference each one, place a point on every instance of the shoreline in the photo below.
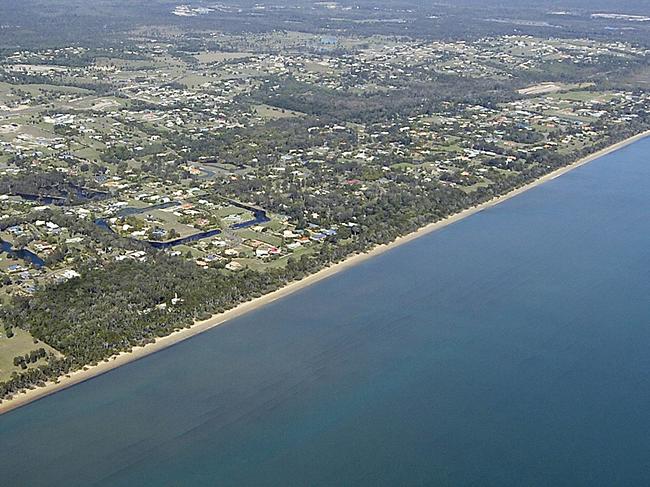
(89, 372)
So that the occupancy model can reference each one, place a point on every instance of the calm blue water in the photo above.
(512, 348)
(24, 254)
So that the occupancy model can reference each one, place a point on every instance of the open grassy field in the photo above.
(261, 236)
(269, 112)
(193, 80)
(20, 344)
(583, 95)
(128, 64)
(161, 218)
(262, 264)
(234, 210)
(208, 57)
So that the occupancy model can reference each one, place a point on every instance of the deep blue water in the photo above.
(510, 349)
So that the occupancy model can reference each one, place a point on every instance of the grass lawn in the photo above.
(20, 344)
(269, 112)
(597, 96)
(262, 264)
(208, 57)
(261, 236)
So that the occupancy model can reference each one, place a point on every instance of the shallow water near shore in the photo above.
(510, 348)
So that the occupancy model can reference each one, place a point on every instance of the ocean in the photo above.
(511, 348)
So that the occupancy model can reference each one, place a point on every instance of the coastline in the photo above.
(137, 353)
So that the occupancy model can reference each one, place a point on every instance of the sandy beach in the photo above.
(139, 352)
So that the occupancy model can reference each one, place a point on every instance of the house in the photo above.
(14, 268)
(66, 276)
(234, 266)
